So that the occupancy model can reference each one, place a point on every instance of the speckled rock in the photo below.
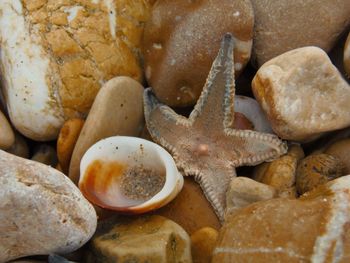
(314, 228)
(303, 24)
(67, 138)
(146, 239)
(46, 154)
(203, 242)
(281, 173)
(118, 110)
(341, 150)
(181, 41)
(303, 94)
(317, 169)
(20, 147)
(7, 136)
(347, 56)
(42, 211)
(244, 191)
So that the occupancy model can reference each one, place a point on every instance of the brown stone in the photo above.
(66, 141)
(181, 41)
(203, 242)
(317, 169)
(341, 150)
(45, 154)
(314, 228)
(7, 136)
(347, 56)
(190, 209)
(146, 239)
(302, 94)
(20, 147)
(117, 110)
(284, 25)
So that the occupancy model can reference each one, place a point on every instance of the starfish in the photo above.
(206, 145)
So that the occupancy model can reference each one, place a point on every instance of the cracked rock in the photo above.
(41, 210)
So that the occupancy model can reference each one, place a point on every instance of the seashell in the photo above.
(129, 174)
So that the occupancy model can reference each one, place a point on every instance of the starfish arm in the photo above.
(255, 147)
(162, 122)
(214, 183)
(215, 104)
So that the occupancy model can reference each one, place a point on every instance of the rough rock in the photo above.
(20, 147)
(283, 25)
(244, 191)
(341, 150)
(190, 209)
(203, 242)
(66, 141)
(42, 211)
(7, 136)
(302, 94)
(146, 239)
(317, 169)
(181, 41)
(281, 173)
(314, 228)
(118, 110)
(46, 154)
(56, 55)
(347, 56)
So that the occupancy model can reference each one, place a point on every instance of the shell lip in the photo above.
(106, 148)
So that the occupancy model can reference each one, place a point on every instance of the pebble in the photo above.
(244, 191)
(313, 228)
(302, 94)
(42, 211)
(341, 150)
(202, 244)
(347, 56)
(181, 41)
(280, 173)
(66, 141)
(303, 25)
(117, 110)
(190, 209)
(317, 169)
(7, 136)
(45, 154)
(145, 239)
(20, 147)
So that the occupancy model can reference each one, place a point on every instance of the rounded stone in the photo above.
(7, 136)
(202, 244)
(347, 56)
(117, 110)
(341, 150)
(42, 211)
(46, 154)
(181, 41)
(20, 147)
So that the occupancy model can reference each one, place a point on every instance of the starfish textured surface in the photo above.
(206, 145)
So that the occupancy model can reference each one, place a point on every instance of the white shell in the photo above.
(135, 151)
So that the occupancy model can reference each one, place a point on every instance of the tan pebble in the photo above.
(45, 154)
(143, 239)
(7, 137)
(202, 244)
(313, 228)
(298, 90)
(20, 147)
(66, 141)
(117, 110)
(244, 191)
(317, 169)
(281, 173)
(347, 56)
(341, 150)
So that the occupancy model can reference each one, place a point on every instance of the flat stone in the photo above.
(244, 191)
(280, 173)
(302, 94)
(284, 25)
(181, 41)
(347, 56)
(341, 150)
(117, 110)
(42, 211)
(203, 242)
(146, 239)
(7, 137)
(314, 228)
